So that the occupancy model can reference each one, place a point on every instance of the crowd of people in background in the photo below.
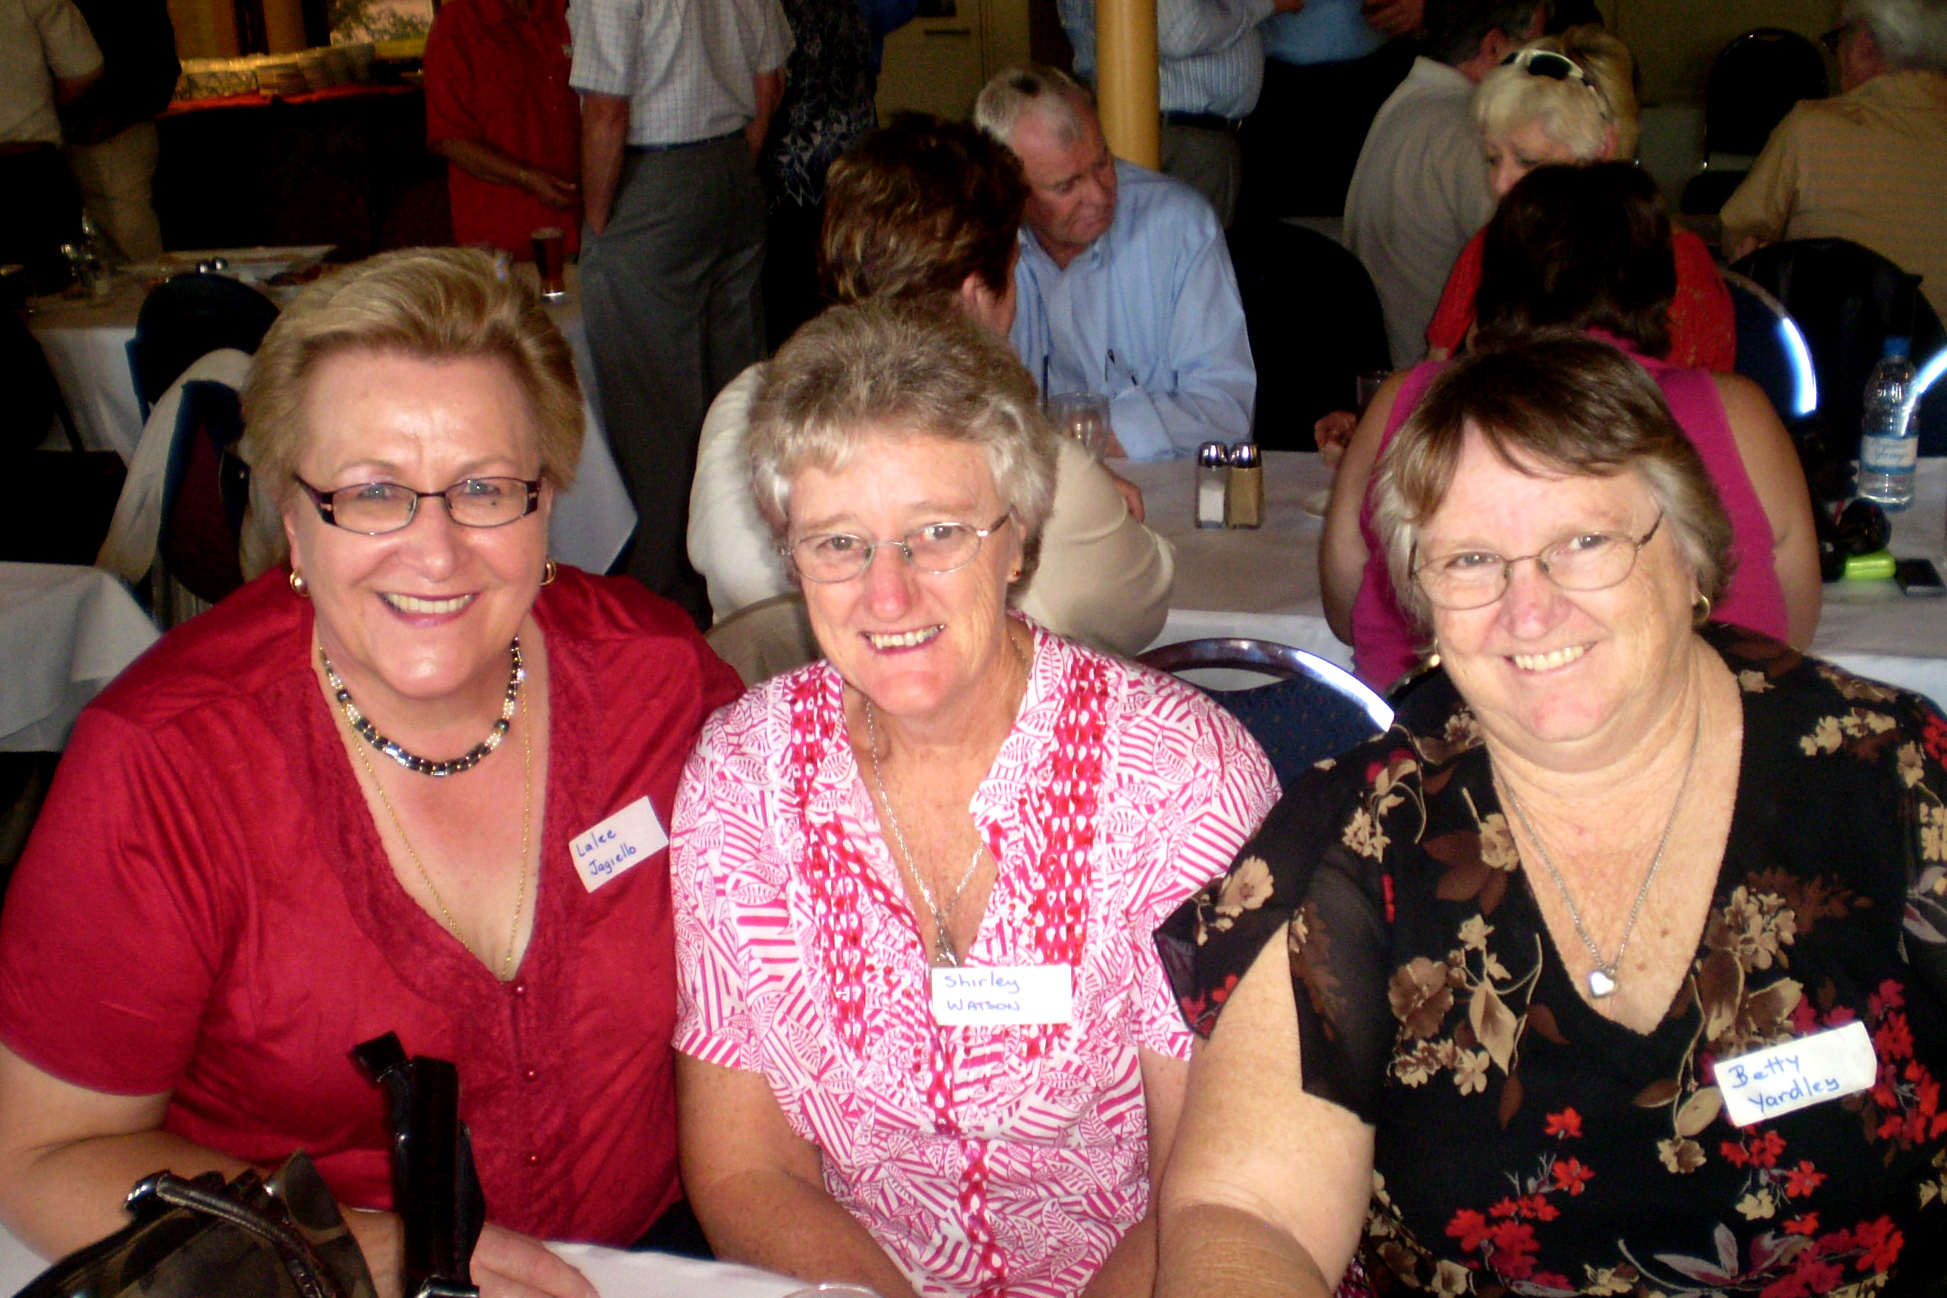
(1468, 996)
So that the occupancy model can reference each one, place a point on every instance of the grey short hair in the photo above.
(1562, 402)
(426, 303)
(1032, 88)
(918, 366)
(1911, 34)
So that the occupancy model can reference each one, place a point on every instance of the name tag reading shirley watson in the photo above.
(1784, 1078)
(992, 996)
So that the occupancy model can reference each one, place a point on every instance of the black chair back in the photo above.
(205, 490)
(1315, 326)
(1847, 300)
(185, 318)
(1754, 82)
(1314, 709)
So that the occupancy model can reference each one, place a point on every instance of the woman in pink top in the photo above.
(925, 1041)
(1588, 248)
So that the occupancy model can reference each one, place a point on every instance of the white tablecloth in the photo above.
(64, 634)
(614, 1273)
(1264, 583)
(87, 348)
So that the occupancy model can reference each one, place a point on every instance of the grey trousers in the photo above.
(1207, 161)
(670, 295)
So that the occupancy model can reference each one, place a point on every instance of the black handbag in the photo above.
(253, 1237)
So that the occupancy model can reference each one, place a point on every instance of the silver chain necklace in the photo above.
(1602, 978)
(943, 952)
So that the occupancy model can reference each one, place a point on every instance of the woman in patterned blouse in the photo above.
(925, 1041)
(1617, 965)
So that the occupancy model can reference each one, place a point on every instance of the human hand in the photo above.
(1132, 495)
(1286, 6)
(1333, 432)
(551, 190)
(1395, 17)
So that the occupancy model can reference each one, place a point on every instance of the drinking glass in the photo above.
(1083, 416)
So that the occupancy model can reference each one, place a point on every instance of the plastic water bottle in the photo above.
(1889, 443)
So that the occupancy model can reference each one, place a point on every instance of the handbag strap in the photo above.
(294, 1251)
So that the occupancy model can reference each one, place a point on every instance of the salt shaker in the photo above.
(1213, 480)
(1244, 503)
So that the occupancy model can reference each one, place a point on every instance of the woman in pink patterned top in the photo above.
(925, 1040)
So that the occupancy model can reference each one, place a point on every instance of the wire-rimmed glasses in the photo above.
(1468, 579)
(931, 547)
(375, 508)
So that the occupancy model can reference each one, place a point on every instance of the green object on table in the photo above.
(1877, 566)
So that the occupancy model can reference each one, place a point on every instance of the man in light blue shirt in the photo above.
(1124, 282)
(1211, 66)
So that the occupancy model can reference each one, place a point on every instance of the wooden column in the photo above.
(1125, 78)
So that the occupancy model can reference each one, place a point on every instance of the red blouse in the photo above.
(1703, 325)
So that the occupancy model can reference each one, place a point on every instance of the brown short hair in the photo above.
(1579, 247)
(428, 303)
(916, 208)
(915, 365)
(1558, 402)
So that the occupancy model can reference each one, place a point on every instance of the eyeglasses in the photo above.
(935, 547)
(1556, 67)
(375, 508)
(1586, 561)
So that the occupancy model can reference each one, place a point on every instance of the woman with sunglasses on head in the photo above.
(1583, 247)
(1572, 99)
(413, 782)
(926, 1044)
(1619, 964)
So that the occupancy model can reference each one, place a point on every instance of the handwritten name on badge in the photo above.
(993, 996)
(629, 837)
(1784, 1078)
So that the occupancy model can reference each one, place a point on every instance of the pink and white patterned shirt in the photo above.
(1065, 1134)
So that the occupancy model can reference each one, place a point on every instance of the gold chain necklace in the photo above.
(445, 915)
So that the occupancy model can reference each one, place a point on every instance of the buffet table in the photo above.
(86, 343)
(1263, 583)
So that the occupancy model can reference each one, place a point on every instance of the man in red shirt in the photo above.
(499, 110)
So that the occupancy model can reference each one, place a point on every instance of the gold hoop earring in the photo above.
(299, 586)
(549, 571)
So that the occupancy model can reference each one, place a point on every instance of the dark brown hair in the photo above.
(916, 208)
(1584, 247)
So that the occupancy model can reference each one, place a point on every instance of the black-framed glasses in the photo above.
(931, 547)
(375, 508)
(1467, 579)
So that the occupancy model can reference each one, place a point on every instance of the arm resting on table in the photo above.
(1772, 464)
(759, 1191)
(1267, 1186)
(1342, 550)
(68, 1156)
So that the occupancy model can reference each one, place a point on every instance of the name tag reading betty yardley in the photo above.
(1808, 1070)
(993, 996)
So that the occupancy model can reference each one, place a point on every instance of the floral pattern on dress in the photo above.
(1581, 1134)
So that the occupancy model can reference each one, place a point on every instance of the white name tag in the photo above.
(1782, 1079)
(618, 844)
(992, 996)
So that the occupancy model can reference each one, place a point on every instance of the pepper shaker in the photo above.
(1244, 502)
(1213, 481)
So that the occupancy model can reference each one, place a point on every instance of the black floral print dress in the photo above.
(1527, 1145)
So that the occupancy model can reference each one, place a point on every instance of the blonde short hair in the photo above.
(427, 303)
(917, 365)
(1578, 115)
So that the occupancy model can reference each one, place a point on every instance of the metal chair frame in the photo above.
(1283, 661)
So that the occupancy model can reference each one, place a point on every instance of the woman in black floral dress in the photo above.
(1617, 966)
